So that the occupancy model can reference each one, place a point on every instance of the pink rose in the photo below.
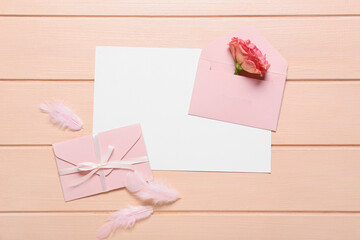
(248, 57)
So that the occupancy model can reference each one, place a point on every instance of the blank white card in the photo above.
(153, 87)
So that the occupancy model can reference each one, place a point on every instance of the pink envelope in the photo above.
(247, 100)
(118, 150)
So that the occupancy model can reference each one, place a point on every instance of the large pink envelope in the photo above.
(248, 100)
(127, 142)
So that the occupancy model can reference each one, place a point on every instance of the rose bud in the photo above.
(248, 57)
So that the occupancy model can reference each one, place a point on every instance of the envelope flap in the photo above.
(218, 50)
(123, 140)
(75, 151)
(78, 150)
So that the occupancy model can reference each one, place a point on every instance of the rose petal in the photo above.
(232, 46)
(244, 50)
(239, 55)
(248, 56)
(232, 50)
(250, 66)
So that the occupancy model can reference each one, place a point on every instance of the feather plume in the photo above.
(124, 218)
(150, 192)
(62, 115)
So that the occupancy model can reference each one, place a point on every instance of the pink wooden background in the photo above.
(47, 51)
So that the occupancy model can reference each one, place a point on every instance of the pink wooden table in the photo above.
(47, 52)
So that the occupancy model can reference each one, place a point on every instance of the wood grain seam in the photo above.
(272, 145)
(177, 16)
(25, 80)
(189, 212)
(92, 80)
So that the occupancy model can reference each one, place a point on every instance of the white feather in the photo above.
(125, 218)
(62, 115)
(150, 192)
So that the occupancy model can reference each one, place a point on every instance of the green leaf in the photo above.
(238, 68)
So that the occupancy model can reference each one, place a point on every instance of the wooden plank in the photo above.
(185, 226)
(323, 113)
(319, 113)
(178, 7)
(302, 179)
(64, 48)
(22, 121)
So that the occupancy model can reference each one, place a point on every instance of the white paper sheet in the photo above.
(153, 86)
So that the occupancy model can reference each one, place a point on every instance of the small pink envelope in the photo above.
(248, 100)
(109, 155)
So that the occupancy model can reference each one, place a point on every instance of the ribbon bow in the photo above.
(103, 164)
